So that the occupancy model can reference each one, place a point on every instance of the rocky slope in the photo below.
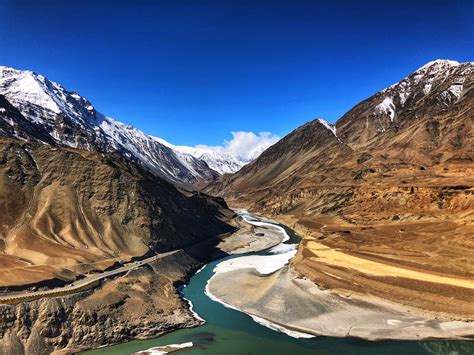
(391, 181)
(57, 116)
(66, 212)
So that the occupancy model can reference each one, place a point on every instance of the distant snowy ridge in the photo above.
(221, 162)
(71, 120)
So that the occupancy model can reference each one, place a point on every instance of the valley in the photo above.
(237, 177)
(102, 225)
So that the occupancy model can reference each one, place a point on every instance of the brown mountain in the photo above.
(66, 210)
(68, 213)
(391, 183)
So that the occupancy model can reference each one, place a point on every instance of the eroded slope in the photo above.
(67, 211)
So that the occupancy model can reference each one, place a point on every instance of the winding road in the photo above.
(80, 285)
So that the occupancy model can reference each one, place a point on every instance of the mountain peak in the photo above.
(428, 91)
(25, 88)
(222, 162)
(25, 85)
(440, 63)
(5, 68)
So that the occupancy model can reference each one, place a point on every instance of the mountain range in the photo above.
(54, 115)
(423, 121)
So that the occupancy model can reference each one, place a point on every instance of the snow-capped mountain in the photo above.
(51, 114)
(428, 91)
(223, 163)
(426, 82)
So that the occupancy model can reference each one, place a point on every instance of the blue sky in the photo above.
(193, 71)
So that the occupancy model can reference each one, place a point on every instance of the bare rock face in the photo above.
(11, 344)
(391, 181)
(36, 344)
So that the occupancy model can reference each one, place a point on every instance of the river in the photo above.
(228, 331)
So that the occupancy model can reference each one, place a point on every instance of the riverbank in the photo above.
(299, 305)
(271, 290)
(417, 261)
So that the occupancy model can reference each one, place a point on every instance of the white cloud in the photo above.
(245, 145)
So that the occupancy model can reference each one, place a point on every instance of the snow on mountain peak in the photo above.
(441, 80)
(24, 85)
(25, 88)
(222, 162)
(439, 63)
